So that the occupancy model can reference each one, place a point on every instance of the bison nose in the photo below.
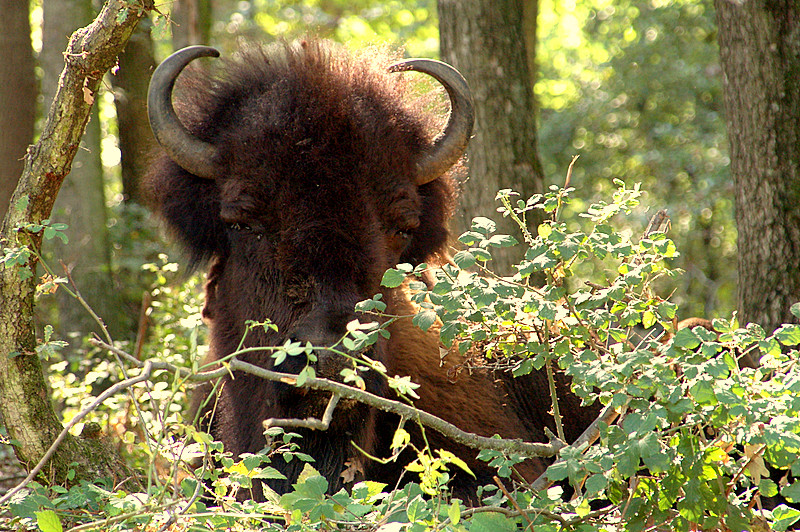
(323, 335)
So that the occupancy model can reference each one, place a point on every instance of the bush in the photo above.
(700, 441)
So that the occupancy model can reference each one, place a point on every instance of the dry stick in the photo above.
(309, 422)
(127, 383)
(512, 500)
(527, 449)
(144, 322)
(589, 436)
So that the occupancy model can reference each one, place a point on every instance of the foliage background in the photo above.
(631, 87)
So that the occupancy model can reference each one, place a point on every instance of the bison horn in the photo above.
(189, 152)
(448, 147)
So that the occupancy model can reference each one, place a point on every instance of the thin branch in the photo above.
(308, 423)
(512, 500)
(589, 436)
(475, 441)
(551, 381)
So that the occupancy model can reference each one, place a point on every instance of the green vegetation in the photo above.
(701, 443)
(692, 450)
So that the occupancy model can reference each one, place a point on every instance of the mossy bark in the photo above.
(24, 404)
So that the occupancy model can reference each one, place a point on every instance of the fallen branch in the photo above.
(527, 449)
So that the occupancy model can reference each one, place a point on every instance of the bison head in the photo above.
(302, 173)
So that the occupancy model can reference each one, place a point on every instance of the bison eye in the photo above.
(255, 230)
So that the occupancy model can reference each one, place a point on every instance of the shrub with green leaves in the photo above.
(695, 440)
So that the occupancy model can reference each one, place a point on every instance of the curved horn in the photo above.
(448, 147)
(189, 152)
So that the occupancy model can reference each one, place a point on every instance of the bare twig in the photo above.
(659, 223)
(144, 322)
(512, 500)
(589, 436)
(569, 170)
(308, 423)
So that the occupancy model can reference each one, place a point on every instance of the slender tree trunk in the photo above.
(486, 41)
(17, 95)
(130, 82)
(81, 202)
(191, 21)
(27, 413)
(760, 51)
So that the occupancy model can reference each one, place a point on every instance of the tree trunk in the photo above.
(27, 413)
(760, 51)
(81, 202)
(191, 22)
(130, 82)
(486, 41)
(17, 95)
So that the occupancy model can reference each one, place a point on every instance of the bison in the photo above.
(299, 172)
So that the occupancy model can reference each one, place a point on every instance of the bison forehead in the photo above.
(317, 107)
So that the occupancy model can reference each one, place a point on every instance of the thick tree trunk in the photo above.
(486, 41)
(760, 51)
(136, 65)
(81, 201)
(27, 413)
(17, 95)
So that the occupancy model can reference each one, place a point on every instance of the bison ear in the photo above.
(190, 207)
(432, 237)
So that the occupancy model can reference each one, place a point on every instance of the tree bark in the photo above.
(486, 41)
(27, 413)
(191, 22)
(17, 95)
(81, 202)
(760, 51)
(136, 65)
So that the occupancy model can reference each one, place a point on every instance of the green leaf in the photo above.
(557, 471)
(393, 278)
(703, 393)
(483, 225)
(503, 241)
(788, 335)
(270, 472)
(22, 203)
(795, 309)
(784, 517)
(424, 319)
(464, 259)
(767, 487)
(686, 338)
(667, 310)
(454, 512)
(48, 521)
(792, 492)
(491, 522)
(596, 483)
(122, 15)
(414, 509)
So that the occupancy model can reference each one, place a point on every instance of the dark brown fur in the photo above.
(319, 148)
